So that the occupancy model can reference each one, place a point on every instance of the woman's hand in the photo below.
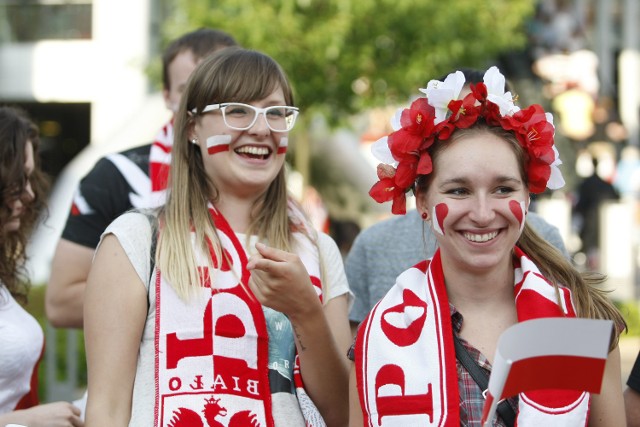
(57, 414)
(280, 281)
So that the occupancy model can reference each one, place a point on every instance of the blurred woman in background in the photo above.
(22, 193)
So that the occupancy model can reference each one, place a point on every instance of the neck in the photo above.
(237, 211)
(475, 289)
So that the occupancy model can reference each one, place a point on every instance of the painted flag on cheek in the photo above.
(518, 210)
(283, 145)
(440, 212)
(218, 143)
(549, 353)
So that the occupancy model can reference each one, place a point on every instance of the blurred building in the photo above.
(79, 67)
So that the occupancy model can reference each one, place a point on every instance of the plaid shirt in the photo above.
(471, 399)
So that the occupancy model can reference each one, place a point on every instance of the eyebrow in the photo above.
(462, 180)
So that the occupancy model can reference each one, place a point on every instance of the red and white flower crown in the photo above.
(434, 118)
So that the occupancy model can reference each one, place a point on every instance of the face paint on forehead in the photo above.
(218, 143)
(518, 210)
(283, 145)
(439, 213)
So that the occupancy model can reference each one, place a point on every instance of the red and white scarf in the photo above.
(406, 362)
(211, 363)
(160, 161)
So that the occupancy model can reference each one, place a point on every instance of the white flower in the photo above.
(495, 82)
(555, 179)
(441, 93)
(380, 150)
(549, 117)
(395, 120)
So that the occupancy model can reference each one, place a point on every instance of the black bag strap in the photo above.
(481, 378)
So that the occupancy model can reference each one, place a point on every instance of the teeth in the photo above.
(480, 237)
(254, 151)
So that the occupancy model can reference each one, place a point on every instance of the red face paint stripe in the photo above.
(442, 210)
(218, 148)
(517, 209)
(282, 150)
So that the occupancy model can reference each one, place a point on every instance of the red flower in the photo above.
(479, 91)
(464, 112)
(407, 171)
(416, 122)
(535, 134)
(386, 189)
(539, 173)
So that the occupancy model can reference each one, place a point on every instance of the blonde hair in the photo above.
(232, 74)
(589, 298)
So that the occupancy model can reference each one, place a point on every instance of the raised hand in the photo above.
(280, 281)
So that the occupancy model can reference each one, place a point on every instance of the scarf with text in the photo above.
(410, 331)
(212, 351)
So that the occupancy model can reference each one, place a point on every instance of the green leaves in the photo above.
(343, 56)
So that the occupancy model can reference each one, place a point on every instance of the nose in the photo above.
(483, 212)
(260, 126)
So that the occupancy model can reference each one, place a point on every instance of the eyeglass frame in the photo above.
(211, 107)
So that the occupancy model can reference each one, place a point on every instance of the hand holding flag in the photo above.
(549, 353)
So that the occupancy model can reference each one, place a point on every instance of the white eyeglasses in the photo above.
(238, 116)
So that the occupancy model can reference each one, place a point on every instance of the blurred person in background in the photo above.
(23, 194)
(592, 193)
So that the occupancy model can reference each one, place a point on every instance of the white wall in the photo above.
(109, 72)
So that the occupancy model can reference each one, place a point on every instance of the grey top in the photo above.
(383, 251)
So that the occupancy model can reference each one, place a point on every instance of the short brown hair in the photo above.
(201, 43)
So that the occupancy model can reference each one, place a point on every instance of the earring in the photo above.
(424, 216)
(194, 141)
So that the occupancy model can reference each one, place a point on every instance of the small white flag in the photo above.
(549, 353)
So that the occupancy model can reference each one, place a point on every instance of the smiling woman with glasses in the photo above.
(240, 290)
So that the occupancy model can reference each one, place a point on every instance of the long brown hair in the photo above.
(232, 74)
(16, 130)
(589, 298)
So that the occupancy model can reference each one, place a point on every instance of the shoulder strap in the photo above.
(152, 216)
(481, 378)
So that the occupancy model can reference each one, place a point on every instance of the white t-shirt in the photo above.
(21, 342)
(137, 247)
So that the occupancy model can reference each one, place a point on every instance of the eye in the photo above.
(237, 110)
(506, 190)
(276, 113)
(458, 191)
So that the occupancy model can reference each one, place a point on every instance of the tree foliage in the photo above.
(346, 55)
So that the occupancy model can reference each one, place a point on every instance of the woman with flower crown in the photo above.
(472, 163)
